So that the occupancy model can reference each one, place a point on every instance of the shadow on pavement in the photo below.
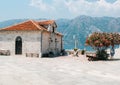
(116, 59)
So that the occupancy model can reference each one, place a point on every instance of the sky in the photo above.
(55, 9)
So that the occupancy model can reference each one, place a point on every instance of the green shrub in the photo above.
(102, 55)
(75, 49)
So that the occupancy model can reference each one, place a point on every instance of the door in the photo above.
(18, 45)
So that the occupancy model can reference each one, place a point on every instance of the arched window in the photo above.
(18, 45)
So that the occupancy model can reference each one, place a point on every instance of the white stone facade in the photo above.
(32, 41)
(51, 42)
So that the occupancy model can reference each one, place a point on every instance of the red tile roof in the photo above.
(59, 33)
(30, 25)
(46, 22)
(27, 25)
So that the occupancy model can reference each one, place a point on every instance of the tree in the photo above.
(101, 41)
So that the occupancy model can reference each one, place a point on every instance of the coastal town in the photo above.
(21, 61)
(60, 42)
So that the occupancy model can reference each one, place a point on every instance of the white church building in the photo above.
(31, 38)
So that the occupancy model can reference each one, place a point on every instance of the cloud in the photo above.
(78, 7)
(98, 8)
(41, 5)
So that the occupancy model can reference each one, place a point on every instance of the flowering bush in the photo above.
(101, 41)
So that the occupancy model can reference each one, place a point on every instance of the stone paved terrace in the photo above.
(67, 70)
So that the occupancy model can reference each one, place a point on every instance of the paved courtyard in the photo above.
(68, 70)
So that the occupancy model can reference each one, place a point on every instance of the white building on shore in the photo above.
(31, 38)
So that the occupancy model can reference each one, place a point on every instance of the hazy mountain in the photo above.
(79, 28)
(10, 22)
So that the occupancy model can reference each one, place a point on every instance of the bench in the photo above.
(94, 57)
(5, 52)
(91, 56)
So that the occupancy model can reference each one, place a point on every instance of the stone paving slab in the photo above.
(64, 70)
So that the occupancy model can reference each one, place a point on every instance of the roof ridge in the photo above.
(38, 26)
(35, 24)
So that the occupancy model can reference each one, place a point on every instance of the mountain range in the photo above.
(79, 28)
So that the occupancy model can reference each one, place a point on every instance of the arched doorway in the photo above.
(18, 45)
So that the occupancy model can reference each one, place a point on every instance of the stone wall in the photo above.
(59, 43)
(45, 42)
(51, 42)
(30, 41)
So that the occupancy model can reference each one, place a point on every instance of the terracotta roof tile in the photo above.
(59, 33)
(27, 25)
(46, 22)
(30, 25)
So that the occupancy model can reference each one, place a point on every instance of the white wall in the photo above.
(45, 42)
(59, 43)
(53, 46)
(30, 41)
